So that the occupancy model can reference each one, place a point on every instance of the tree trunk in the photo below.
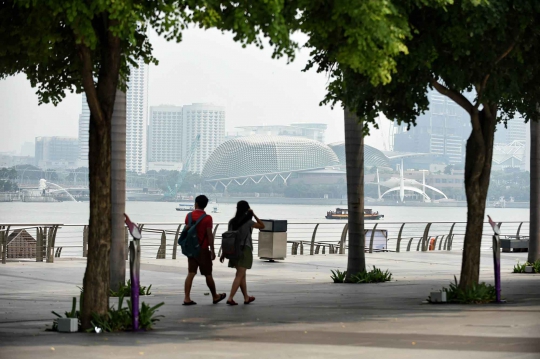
(100, 97)
(534, 235)
(354, 158)
(118, 191)
(96, 277)
(479, 154)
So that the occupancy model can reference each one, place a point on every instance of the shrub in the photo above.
(520, 268)
(116, 319)
(120, 319)
(338, 276)
(476, 294)
(125, 290)
(373, 276)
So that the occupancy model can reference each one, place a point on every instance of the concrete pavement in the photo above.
(298, 312)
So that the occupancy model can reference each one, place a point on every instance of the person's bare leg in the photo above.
(212, 286)
(240, 273)
(187, 287)
(243, 288)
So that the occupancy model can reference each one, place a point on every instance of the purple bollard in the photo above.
(134, 270)
(496, 259)
(497, 266)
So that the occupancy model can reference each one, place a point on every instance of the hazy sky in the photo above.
(207, 66)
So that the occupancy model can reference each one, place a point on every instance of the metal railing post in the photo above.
(441, 242)
(4, 243)
(409, 245)
(313, 239)
(448, 242)
(85, 242)
(518, 230)
(162, 246)
(175, 244)
(399, 238)
(425, 238)
(39, 244)
(371, 239)
(343, 237)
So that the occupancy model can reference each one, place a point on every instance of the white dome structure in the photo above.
(263, 155)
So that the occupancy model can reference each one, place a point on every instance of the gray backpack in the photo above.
(232, 244)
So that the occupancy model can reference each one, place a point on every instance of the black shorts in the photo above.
(203, 261)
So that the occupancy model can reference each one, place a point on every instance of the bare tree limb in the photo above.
(454, 96)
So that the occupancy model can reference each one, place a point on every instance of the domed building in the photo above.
(372, 156)
(246, 157)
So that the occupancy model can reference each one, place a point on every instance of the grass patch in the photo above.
(373, 276)
(520, 268)
(476, 294)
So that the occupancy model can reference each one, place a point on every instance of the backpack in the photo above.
(231, 243)
(189, 240)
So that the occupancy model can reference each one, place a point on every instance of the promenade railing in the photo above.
(47, 241)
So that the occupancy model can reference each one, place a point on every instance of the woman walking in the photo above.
(244, 224)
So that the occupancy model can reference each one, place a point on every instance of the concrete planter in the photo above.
(529, 269)
(68, 325)
(438, 297)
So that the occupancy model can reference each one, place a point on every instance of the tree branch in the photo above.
(454, 96)
(508, 51)
(88, 84)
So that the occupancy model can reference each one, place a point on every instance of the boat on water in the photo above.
(187, 207)
(343, 213)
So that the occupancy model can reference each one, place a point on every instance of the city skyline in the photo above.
(207, 66)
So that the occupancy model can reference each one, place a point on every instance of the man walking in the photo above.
(206, 255)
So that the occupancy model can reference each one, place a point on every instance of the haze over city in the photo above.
(207, 66)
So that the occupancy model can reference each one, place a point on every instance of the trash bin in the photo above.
(273, 239)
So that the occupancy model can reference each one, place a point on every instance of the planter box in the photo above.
(68, 325)
(529, 269)
(438, 297)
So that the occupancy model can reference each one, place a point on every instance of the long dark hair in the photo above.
(242, 215)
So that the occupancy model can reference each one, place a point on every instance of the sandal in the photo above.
(231, 302)
(189, 303)
(251, 299)
(221, 297)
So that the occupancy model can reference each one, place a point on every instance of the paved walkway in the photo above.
(298, 312)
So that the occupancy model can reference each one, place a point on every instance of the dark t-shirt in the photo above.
(202, 226)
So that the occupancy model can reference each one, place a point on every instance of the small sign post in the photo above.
(134, 269)
(496, 258)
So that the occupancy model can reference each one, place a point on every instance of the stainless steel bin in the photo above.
(272, 245)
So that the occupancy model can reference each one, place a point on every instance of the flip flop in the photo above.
(251, 299)
(231, 302)
(189, 303)
(221, 297)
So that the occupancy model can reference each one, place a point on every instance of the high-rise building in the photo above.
(28, 149)
(442, 130)
(512, 145)
(208, 121)
(137, 124)
(57, 152)
(84, 127)
(516, 130)
(136, 121)
(165, 138)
